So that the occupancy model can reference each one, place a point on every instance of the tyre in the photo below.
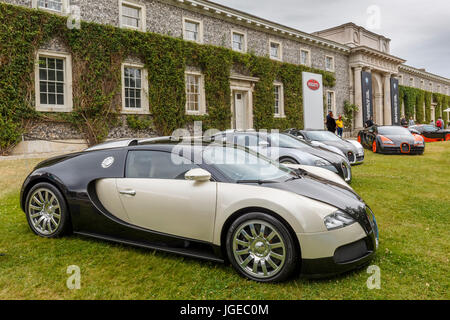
(46, 211)
(261, 248)
(375, 147)
(288, 161)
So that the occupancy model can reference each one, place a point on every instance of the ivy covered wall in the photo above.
(97, 54)
(417, 103)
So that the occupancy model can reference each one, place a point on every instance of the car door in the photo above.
(157, 197)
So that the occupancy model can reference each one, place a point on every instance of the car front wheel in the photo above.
(261, 248)
(46, 211)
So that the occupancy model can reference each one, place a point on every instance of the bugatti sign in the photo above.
(313, 84)
(313, 101)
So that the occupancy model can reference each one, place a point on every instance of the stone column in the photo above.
(387, 100)
(358, 97)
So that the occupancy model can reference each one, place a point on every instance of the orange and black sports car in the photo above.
(391, 140)
(430, 133)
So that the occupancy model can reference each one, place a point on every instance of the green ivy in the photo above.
(97, 54)
(349, 111)
(139, 122)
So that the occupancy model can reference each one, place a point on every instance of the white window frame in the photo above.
(68, 98)
(200, 29)
(411, 82)
(333, 102)
(280, 113)
(280, 51)
(64, 10)
(422, 84)
(431, 86)
(244, 34)
(400, 79)
(145, 108)
(333, 64)
(142, 13)
(308, 62)
(202, 101)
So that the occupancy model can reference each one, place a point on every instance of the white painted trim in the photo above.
(145, 106)
(68, 95)
(200, 28)
(281, 113)
(242, 33)
(280, 52)
(142, 12)
(333, 69)
(202, 106)
(333, 102)
(308, 63)
(65, 7)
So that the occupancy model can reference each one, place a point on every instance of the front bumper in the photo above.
(399, 150)
(330, 253)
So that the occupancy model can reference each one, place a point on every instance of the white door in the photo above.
(156, 196)
(240, 113)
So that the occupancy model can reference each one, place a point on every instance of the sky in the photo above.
(419, 30)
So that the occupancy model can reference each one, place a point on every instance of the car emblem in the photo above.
(108, 162)
(313, 84)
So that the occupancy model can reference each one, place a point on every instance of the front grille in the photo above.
(346, 171)
(360, 158)
(351, 157)
(405, 148)
(351, 252)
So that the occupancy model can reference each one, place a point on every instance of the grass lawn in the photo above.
(410, 196)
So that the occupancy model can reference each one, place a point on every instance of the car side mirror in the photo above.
(263, 144)
(414, 131)
(198, 175)
(301, 137)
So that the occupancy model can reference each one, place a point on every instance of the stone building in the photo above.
(346, 50)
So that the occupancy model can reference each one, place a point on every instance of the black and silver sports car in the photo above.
(391, 140)
(353, 150)
(430, 133)
(215, 201)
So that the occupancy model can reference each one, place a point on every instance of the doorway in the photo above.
(240, 112)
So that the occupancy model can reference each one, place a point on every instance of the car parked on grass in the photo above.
(352, 149)
(430, 133)
(233, 205)
(287, 149)
(391, 140)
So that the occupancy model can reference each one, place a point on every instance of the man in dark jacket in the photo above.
(369, 123)
(331, 122)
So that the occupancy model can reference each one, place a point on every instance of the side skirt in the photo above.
(197, 252)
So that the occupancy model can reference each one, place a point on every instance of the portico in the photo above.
(382, 68)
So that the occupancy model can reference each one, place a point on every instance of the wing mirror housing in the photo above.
(263, 144)
(198, 175)
(414, 131)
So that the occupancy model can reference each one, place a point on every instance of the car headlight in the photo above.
(337, 220)
(321, 163)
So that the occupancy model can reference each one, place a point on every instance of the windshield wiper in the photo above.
(257, 181)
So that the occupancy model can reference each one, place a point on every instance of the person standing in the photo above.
(331, 123)
(404, 122)
(369, 123)
(340, 126)
(440, 123)
(411, 122)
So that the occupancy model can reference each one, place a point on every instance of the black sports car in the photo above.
(430, 133)
(353, 150)
(391, 140)
(217, 202)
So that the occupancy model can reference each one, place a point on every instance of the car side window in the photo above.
(157, 165)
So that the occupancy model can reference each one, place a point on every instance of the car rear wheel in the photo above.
(261, 248)
(46, 211)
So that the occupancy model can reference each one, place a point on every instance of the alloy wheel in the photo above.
(44, 211)
(259, 249)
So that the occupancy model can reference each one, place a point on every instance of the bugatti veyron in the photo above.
(217, 202)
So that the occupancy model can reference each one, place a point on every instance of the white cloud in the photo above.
(420, 30)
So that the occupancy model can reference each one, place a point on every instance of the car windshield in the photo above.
(241, 165)
(285, 141)
(322, 136)
(429, 128)
(393, 131)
